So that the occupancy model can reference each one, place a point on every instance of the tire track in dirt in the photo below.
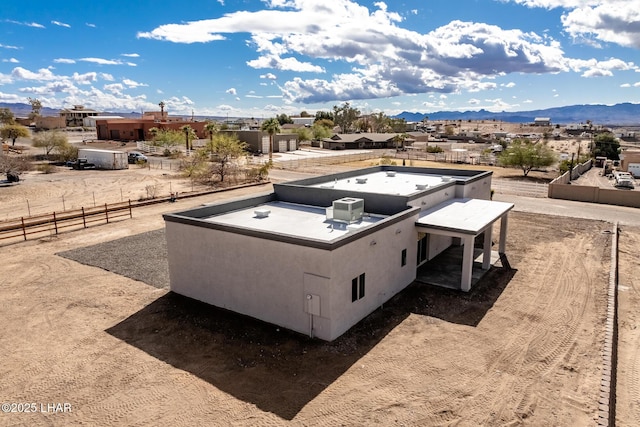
(628, 385)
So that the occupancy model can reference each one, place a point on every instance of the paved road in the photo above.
(610, 213)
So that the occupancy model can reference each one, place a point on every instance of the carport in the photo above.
(466, 219)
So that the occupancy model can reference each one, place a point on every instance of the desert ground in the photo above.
(115, 347)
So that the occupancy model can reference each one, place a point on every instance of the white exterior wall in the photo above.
(384, 275)
(257, 277)
(480, 189)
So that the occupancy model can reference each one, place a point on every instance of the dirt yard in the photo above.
(523, 348)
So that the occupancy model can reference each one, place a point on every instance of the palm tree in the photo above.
(189, 134)
(161, 104)
(211, 128)
(271, 126)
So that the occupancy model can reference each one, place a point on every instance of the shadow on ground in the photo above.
(277, 370)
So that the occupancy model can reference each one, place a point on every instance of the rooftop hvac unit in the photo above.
(348, 209)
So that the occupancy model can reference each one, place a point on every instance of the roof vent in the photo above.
(361, 180)
(446, 178)
(421, 186)
(262, 213)
(391, 173)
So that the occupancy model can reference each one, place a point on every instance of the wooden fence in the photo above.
(40, 226)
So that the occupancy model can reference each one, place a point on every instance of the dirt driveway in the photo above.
(524, 347)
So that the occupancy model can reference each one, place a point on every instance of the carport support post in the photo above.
(467, 263)
(486, 252)
(503, 233)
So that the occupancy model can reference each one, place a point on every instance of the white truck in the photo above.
(623, 179)
(104, 159)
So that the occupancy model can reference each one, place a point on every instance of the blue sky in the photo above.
(261, 58)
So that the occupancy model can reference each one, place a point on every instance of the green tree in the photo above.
(398, 125)
(606, 145)
(399, 139)
(324, 115)
(272, 127)
(227, 149)
(321, 131)
(36, 107)
(14, 132)
(345, 116)
(304, 114)
(380, 123)
(166, 138)
(526, 155)
(283, 119)
(51, 141)
(6, 116)
(304, 134)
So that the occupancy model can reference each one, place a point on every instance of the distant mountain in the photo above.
(619, 114)
(626, 114)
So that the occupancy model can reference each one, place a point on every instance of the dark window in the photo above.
(403, 260)
(357, 288)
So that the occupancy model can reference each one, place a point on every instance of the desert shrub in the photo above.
(46, 168)
(434, 149)
(386, 160)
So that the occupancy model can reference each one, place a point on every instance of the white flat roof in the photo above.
(292, 219)
(465, 216)
(381, 182)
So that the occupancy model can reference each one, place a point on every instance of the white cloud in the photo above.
(131, 55)
(42, 74)
(269, 76)
(133, 84)
(86, 78)
(64, 61)
(107, 77)
(474, 101)
(90, 25)
(4, 46)
(61, 24)
(11, 60)
(101, 61)
(115, 88)
(231, 91)
(27, 24)
(509, 85)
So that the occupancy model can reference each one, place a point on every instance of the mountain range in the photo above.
(625, 114)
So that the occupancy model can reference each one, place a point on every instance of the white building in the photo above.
(320, 254)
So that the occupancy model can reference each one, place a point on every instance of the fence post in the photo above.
(24, 230)
(130, 211)
(55, 222)
(106, 213)
(84, 222)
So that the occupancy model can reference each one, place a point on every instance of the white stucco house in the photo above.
(318, 255)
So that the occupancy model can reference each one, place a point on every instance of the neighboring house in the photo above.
(353, 141)
(50, 122)
(138, 129)
(90, 122)
(304, 121)
(630, 162)
(542, 121)
(258, 141)
(318, 255)
(76, 115)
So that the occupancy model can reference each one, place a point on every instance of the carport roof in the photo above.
(462, 216)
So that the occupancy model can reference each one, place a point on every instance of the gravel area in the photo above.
(140, 257)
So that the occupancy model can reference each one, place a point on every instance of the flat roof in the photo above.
(291, 219)
(388, 182)
(465, 216)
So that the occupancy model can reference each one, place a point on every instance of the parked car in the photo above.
(135, 157)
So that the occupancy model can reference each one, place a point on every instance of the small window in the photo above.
(403, 260)
(357, 288)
